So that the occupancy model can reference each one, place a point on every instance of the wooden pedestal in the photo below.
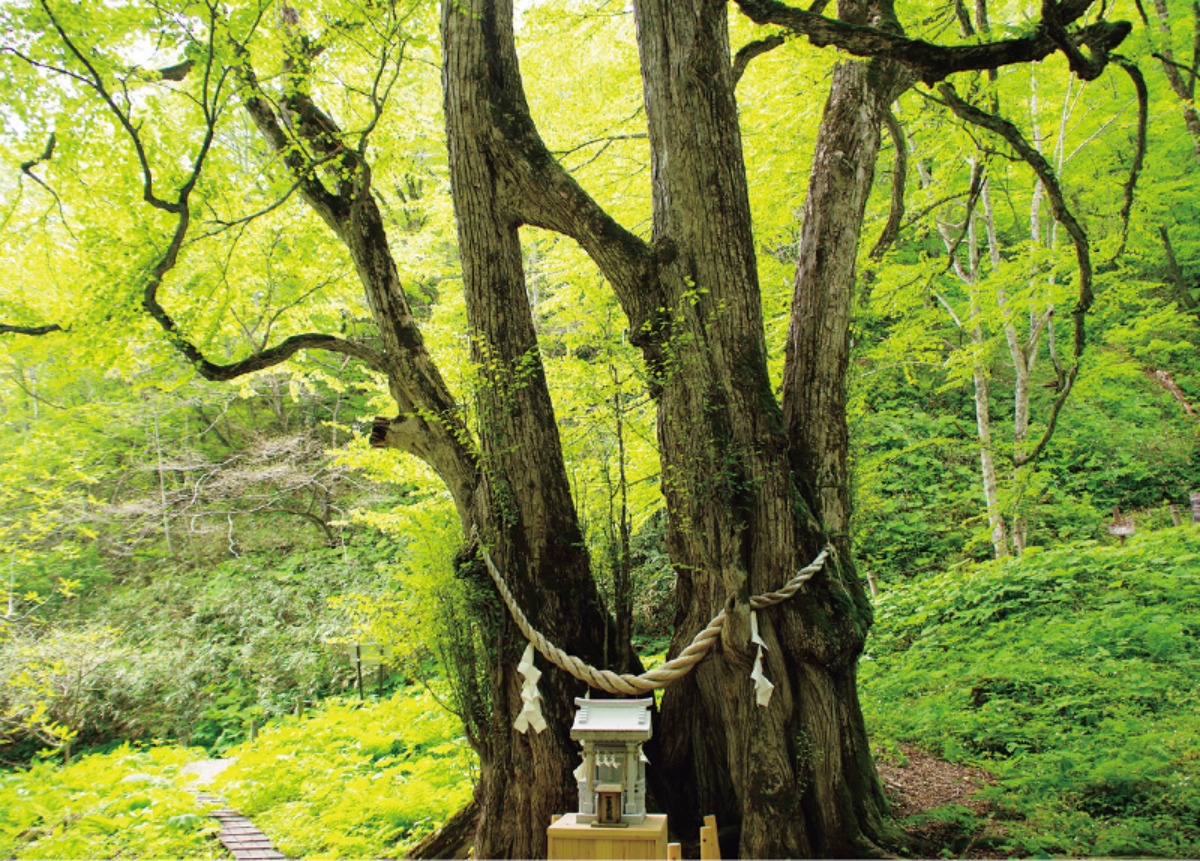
(570, 839)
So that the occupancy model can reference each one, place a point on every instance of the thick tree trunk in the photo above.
(512, 489)
(846, 789)
(523, 505)
(795, 778)
(818, 343)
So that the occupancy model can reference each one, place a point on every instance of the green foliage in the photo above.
(192, 655)
(352, 780)
(123, 804)
(432, 620)
(1070, 674)
(165, 539)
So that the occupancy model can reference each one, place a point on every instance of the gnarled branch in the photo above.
(256, 361)
(933, 63)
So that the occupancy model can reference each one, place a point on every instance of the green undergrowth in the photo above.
(1071, 675)
(353, 780)
(123, 804)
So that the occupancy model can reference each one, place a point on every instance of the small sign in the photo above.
(1122, 527)
(1196, 508)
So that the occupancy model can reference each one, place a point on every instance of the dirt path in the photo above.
(924, 783)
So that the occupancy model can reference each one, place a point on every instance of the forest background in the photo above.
(183, 557)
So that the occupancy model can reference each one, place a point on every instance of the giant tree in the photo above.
(754, 484)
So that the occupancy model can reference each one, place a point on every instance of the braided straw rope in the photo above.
(659, 677)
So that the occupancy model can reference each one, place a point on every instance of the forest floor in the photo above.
(928, 796)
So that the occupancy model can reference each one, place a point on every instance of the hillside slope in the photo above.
(1071, 675)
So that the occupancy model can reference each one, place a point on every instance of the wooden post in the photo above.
(710, 849)
(358, 663)
(1196, 508)
(1122, 526)
(1176, 518)
(871, 584)
(674, 852)
(253, 729)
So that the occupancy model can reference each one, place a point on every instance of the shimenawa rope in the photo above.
(659, 677)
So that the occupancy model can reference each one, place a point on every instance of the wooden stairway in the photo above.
(239, 835)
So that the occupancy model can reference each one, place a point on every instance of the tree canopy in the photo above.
(597, 268)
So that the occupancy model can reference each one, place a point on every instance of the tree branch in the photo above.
(545, 193)
(255, 362)
(933, 63)
(899, 181)
(1166, 61)
(47, 154)
(1139, 156)
(1054, 25)
(94, 80)
(1045, 173)
(751, 50)
(973, 191)
(636, 136)
(262, 111)
(11, 329)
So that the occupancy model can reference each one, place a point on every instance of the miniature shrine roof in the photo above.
(616, 720)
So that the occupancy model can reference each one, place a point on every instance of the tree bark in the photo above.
(795, 778)
(522, 505)
(844, 785)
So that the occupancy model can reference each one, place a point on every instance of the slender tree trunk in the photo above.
(991, 495)
(1182, 84)
(987, 462)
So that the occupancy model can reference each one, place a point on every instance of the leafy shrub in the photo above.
(353, 780)
(1071, 675)
(122, 804)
